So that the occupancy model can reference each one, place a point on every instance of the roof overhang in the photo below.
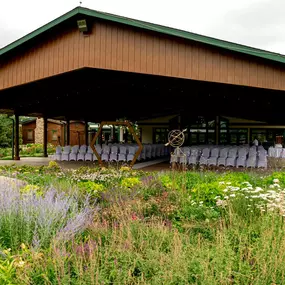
(234, 47)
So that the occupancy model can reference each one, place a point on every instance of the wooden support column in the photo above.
(45, 136)
(17, 138)
(86, 133)
(67, 132)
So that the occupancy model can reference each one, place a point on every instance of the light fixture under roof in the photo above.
(82, 25)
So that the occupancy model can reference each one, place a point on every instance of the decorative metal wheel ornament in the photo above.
(176, 138)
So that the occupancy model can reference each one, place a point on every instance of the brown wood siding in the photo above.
(116, 47)
(25, 129)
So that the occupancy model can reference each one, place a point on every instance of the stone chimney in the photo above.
(39, 131)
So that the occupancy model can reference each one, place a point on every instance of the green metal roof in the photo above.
(151, 27)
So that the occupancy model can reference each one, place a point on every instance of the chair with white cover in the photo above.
(74, 153)
(174, 158)
(148, 151)
(277, 152)
(122, 153)
(131, 153)
(283, 153)
(213, 159)
(99, 151)
(161, 150)
(114, 153)
(261, 161)
(242, 156)
(261, 151)
(58, 153)
(194, 156)
(89, 154)
(81, 152)
(166, 150)
(252, 157)
(271, 151)
(232, 157)
(153, 150)
(142, 155)
(204, 156)
(157, 150)
(106, 153)
(65, 153)
(223, 156)
(186, 151)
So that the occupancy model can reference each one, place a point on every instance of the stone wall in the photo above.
(39, 131)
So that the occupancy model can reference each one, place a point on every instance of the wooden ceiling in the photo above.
(95, 95)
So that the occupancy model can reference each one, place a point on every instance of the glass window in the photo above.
(30, 135)
(238, 136)
(54, 135)
(211, 137)
(211, 124)
(233, 139)
(160, 135)
(260, 134)
(223, 136)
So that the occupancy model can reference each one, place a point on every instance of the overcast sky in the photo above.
(257, 23)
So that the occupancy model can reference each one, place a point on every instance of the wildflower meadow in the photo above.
(122, 226)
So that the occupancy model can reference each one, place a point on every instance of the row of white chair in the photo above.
(276, 152)
(110, 152)
(234, 156)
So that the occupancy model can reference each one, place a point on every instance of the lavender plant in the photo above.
(32, 219)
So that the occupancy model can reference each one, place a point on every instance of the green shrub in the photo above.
(130, 182)
(92, 188)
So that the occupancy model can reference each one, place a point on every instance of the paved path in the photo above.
(39, 161)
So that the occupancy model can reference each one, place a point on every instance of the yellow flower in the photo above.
(37, 255)
(125, 168)
(6, 251)
(19, 263)
(23, 246)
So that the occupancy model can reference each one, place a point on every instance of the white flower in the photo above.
(276, 180)
(232, 195)
(271, 186)
(221, 183)
(235, 188)
(221, 203)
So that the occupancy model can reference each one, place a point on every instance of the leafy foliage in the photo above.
(5, 131)
(147, 228)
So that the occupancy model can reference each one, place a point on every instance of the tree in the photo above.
(5, 131)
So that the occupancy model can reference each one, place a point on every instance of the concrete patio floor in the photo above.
(39, 161)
